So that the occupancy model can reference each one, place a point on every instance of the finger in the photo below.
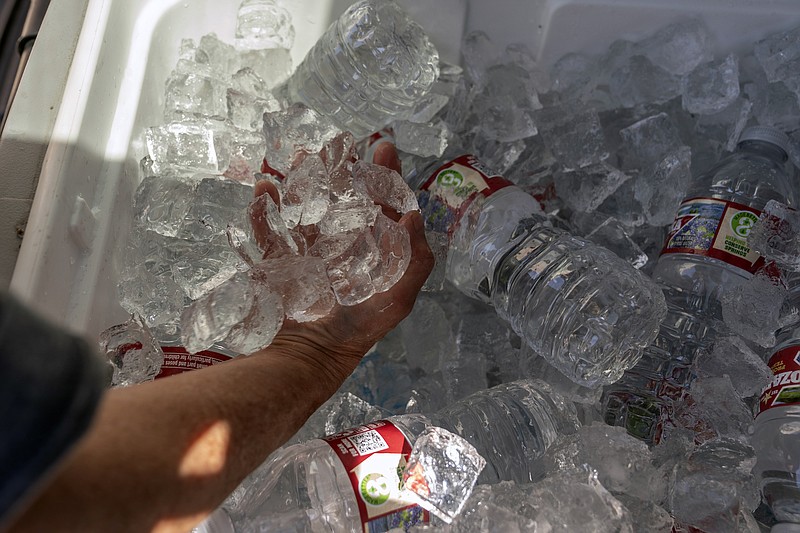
(266, 186)
(389, 212)
(421, 264)
(386, 156)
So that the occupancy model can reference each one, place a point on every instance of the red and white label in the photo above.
(715, 228)
(784, 389)
(454, 186)
(178, 360)
(374, 456)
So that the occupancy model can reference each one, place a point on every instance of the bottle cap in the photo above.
(785, 528)
(766, 134)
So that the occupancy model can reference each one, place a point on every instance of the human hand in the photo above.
(336, 343)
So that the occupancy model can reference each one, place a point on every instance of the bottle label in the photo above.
(715, 228)
(450, 190)
(784, 389)
(374, 456)
(178, 360)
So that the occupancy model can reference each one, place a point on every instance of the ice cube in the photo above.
(218, 55)
(648, 141)
(147, 287)
(479, 53)
(161, 203)
(294, 132)
(612, 234)
(733, 358)
(623, 462)
(714, 408)
(424, 140)
(348, 216)
(247, 154)
(487, 509)
(210, 318)
(710, 487)
(752, 308)
(132, 351)
(273, 65)
(776, 236)
(575, 501)
(463, 376)
(394, 252)
(646, 516)
(427, 335)
(639, 81)
(199, 267)
(261, 323)
(246, 111)
(573, 134)
(194, 94)
(661, 188)
(264, 24)
(679, 47)
(302, 283)
(736, 129)
(439, 244)
(711, 87)
(429, 106)
(339, 154)
(188, 146)
(775, 105)
(381, 380)
(779, 55)
(482, 335)
(584, 189)
(306, 196)
(217, 202)
(269, 228)
(574, 76)
(247, 81)
(342, 411)
(533, 365)
(499, 156)
(384, 186)
(350, 259)
(506, 103)
(441, 472)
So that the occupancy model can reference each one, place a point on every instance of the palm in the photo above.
(350, 331)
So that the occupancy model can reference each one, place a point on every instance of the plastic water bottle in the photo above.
(369, 68)
(776, 436)
(705, 252)
(351, 481)
(263, 24)
(586, 311)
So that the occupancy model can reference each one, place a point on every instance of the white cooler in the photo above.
(96, 80)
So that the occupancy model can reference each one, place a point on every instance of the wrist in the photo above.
(322, 364)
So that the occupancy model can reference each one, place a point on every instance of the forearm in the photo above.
(162, 455)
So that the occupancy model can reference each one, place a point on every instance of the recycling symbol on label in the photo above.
(450, 178)
(375, 489)
(743, 222)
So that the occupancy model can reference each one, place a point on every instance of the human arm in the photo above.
(162, 455)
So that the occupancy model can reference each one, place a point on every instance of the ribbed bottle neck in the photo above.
(763, 149)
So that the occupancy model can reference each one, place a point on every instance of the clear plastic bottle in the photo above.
(264, 24)
(309, 485)
(776, 435)
(369, 68)
(586, 311)
(705, 253)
